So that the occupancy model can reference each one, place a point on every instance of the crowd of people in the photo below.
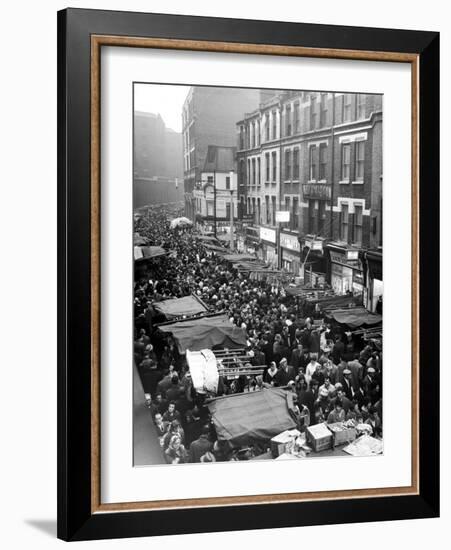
(334, 374)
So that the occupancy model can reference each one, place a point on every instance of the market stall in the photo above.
(205, 332)
(354, 317)
(235, 258)
(176, 308)
(148, 252)
(252, 417)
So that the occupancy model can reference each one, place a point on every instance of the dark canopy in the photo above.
(178, 307)
(336, 301)
(214, 247)
(242, 418)
(207, 238)
(239, 257)
(205, 333)
(148, 252)
(355, 317)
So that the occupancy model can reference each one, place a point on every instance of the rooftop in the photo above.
(220, 159)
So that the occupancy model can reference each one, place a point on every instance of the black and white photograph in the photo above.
(258, 288)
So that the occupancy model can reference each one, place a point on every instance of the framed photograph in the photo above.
(248, 274)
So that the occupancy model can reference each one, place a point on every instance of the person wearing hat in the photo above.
(370, 381)
(347, 384)
(310, 370)
(285, 374)
(270, 374)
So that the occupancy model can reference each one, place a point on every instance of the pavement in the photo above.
(146, 446)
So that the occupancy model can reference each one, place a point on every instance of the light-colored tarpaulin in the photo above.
(244, 418)
(204, 370)
(180, 222)
(205, 333)
(179, 307)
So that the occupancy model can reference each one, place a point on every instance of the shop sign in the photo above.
(337, 257)
(314, 245)
(290, 242)
(268, 234)
(282, 216)
(350, 258)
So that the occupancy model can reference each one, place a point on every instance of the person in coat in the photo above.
(200, 446)
(285, 374)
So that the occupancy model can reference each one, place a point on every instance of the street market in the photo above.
(236, 361)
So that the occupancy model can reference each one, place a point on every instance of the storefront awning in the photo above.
(179, 307)
(244, 418)
(336, 301)
(205, 333)
(355, 317)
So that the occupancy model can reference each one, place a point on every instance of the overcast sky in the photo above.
(166, 100)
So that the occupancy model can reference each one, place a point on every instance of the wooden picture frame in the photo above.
(81, 35)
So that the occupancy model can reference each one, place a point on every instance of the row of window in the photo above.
(352, 164)
(315, 117)
(267, 214)
(351, 231)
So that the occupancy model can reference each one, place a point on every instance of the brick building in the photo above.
(317, 156)
(208, 117)
(215, 197)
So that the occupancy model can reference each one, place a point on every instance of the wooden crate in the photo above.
(341, 434)
(319, 437)
(280, 442)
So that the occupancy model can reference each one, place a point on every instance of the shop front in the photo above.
(291, 250)
(346, 270)
(374, 287)
(268, 240)
(313, 260)
(251, 239)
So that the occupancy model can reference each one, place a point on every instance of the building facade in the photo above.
(157, 150)
(208, 118)
(318, 158)
(215, 195)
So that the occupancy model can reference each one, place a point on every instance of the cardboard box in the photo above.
(282, 442)
(342, 434)
(319, 437)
